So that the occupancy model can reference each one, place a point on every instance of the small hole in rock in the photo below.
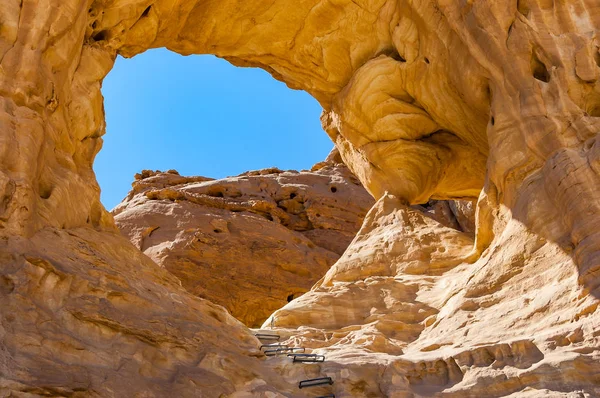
(540, 72)
(333, 189)
(492, 121)
(45, 192)
(292, 195)
(594, 111)
(426, 60)
(523, 7)
(146, 12)
(290, 297)
(217, 231)
(396, 55)
(100, 36)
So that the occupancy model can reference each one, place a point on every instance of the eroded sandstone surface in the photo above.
(86, 314)
(250, 243)
(411, 299)
(425, 99)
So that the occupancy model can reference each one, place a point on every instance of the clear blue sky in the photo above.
(201, 116)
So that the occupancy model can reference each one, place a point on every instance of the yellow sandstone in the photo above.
(493, 101)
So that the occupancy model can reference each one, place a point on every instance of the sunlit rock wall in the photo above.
(250, 243)
(424, 99)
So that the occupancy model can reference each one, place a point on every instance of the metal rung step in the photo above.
(315, 382)
(285, 350)
(307, 357)
(267, 336)
(274, 345)
(302, 355)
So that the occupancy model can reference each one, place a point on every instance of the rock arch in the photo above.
(409, 91)
(54, 68)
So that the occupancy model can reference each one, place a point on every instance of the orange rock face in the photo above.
(497, 102)
(250, 243)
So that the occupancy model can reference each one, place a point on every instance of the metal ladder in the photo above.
(275, 349)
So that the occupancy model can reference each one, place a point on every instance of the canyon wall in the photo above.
(425, 99)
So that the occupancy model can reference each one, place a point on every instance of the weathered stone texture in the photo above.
(250, 243)
(497, 101)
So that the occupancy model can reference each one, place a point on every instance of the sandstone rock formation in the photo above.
(425, 99)
(431, 318)
(86, 314)
(250, 243)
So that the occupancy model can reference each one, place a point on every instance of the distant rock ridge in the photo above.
(254, 242)
(250, 243)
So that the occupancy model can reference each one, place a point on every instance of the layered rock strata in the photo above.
(251, 243)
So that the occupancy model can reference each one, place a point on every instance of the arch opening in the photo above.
(201, 115)
(231, 211)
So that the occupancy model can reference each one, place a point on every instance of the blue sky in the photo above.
(201, 116)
